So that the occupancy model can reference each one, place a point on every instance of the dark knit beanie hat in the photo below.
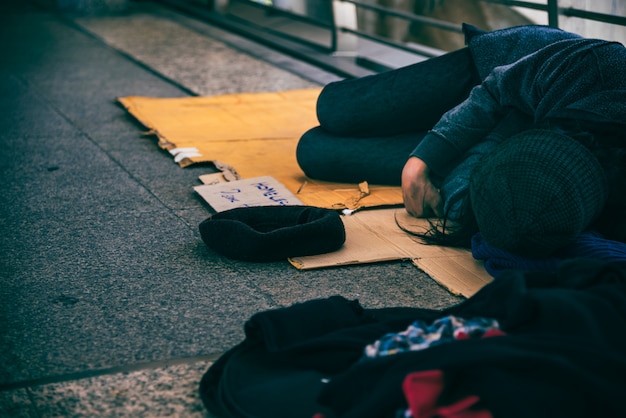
(272, 233)
(536, 192)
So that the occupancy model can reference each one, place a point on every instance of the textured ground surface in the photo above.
(110, 303)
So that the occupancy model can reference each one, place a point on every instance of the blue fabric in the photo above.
(588, 245)
(407, 99)
(370, 125)
(454, 106)
(572, 79)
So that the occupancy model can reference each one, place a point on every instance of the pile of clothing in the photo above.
(529, 344)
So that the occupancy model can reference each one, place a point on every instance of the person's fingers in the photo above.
(424, 202)
(421, 198)
(413, 200)
(409, 200)
(432, 201)
(414, 179)
(430, 204)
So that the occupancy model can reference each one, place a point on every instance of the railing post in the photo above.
(553, 13)
(344, 17)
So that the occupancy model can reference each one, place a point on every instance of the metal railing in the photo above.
(344, 20)
(337, 23)
(554, 11)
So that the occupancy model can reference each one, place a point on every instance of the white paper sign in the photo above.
(257, 191)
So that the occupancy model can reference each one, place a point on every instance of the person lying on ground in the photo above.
(519, 137)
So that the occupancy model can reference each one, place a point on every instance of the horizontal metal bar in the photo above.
(565, 11)
(426, 51)
(282, 12)
(522, 4)
(599, 17)
(440, 24)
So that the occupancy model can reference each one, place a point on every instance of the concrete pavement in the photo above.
(110, 303)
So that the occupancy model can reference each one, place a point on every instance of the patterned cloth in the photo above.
(420, 335)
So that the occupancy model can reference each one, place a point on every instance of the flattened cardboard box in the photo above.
(372, 236)
(254, 134)
(375, 236)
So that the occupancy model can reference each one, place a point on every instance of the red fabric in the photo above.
(422, 390)
(489, 333)
(493, 333)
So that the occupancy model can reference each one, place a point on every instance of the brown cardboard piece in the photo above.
(254, 135)
(247, 136)
(375, 235)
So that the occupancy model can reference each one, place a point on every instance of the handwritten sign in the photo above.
(257, 191)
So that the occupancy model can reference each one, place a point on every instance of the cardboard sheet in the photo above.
(375, 236)
(257, 191)
(252, 136)
(255, 135)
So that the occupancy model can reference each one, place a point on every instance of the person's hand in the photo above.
(421, 198)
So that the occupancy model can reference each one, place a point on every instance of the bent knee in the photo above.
(331, 107)
(305, 151)
(312, 154)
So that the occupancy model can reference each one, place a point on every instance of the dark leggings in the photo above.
(370, 125)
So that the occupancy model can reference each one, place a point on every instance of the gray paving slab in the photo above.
(204, 65)
(169, 390)
(17, 404)
(97, 270)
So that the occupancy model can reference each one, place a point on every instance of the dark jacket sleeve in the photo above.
(544, 85)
